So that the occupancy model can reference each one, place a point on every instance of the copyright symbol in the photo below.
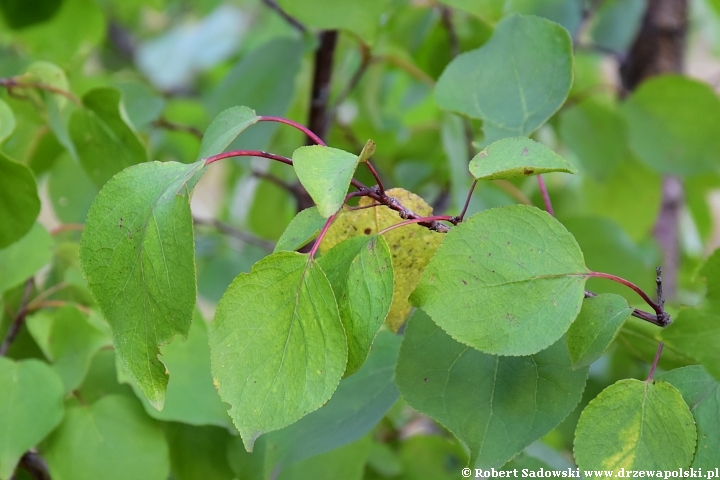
(466, 472)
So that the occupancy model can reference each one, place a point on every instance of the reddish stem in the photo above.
(545, 195)
(300, 127)
(658, 310)
(655, 362)
(381, 188)
(322, 235)
(247, 153)
(436, 218)
(460, 217)
(67, 227)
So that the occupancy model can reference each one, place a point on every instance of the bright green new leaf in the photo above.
(98, 441)
(355, 408)
(507, 281)
(411, 246)
(597, 133)
(360, 272)
(368, 151)
(302, 228)
(19, 201)
(137, 252)
(7, 120)
(517, 157)
(496, 405)
(277, 344)
(25, 257)
(596, 326)
(635, 425)
(702, 394)
(30, 407)
(361, 18)
(103, 140)
(225, 128)
(191, 397)
(515, 81)
(673, 123)
(68, 340)
(325, 172)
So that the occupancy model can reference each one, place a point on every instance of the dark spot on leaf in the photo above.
(426, 379)
(464, 282)
(528, 171)
(367, 231)
(483, 153)
(525, 151)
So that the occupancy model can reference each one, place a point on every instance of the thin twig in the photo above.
(323, 232)
(320, 93)
(19, 317)
(545, 195)
(381, 188)
(662, 315)
(446, 18)
(642, 315)
(655, 362)
(437, 218)
(312, 136)
(168, 125)
(67, 227)
(294, 22)
(248, 153)
(460, 217)
(241, 235)
(14, 82)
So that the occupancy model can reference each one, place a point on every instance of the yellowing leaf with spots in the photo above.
(411, 246)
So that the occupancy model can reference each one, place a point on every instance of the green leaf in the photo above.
(25, 257)
(325, 172)
(191, 397)
(137, 252)
(673, 123)
(19, 201)
(59, 107)
(596, 327)
(507, 281)
(78, 25)
(277, 345)
(347, 462)
(411, 246)
(198, 452)
(30, 407)
(515, 81)
(104, 141)
(70, 189)
(630, 196)
(635, 425)
(616, 24)
(96, 441)
(360, 272)
(496, 405)
(597, 133)
(361, 18)
(264, 80)
(7, 120)
(302, 228)
(17, 15)
(226, 126)
(517, 157)
(68, 340)
(696, 331)
(702, 394)
(354, 410)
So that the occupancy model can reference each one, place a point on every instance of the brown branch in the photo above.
(318, 115)
(241, 235)
(294, 22)
(168, 125)
(19, 317)
(34, 465)
(15, 82)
